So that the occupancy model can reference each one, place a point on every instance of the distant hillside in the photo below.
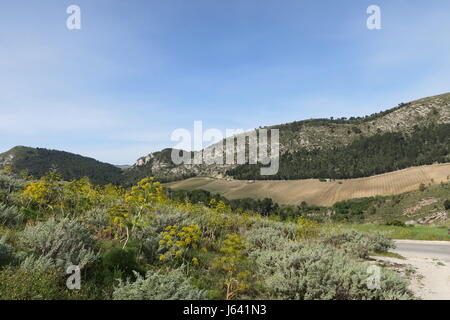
(411, 134)
(157, 164)
(322, 193)
(363, 157)
(38, 161)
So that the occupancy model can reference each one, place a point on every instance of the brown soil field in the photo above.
(321, 193)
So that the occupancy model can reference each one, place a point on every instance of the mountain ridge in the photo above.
(314, 140)
(39, 161)
(320, 134)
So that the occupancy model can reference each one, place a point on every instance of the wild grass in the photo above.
(437, 233)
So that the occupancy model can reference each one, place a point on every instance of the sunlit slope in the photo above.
(322, 193)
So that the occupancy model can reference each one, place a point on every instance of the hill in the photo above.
(411, 134)
(38, 161)
(315, 192)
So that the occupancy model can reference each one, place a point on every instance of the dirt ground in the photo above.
(429, 262)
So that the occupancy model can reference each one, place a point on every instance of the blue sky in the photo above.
(137, 70)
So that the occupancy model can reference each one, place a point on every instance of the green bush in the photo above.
(118, 259)
(149, 249)
(447, 204)
(396, 223)
(17, 284)
(173, 285)
(5, 253)
(65, 242)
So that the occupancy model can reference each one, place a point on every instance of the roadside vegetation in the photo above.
(141, 243)
(436, 233)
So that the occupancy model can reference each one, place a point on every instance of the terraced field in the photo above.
(321, 193)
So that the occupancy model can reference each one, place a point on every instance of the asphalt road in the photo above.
(423, 249)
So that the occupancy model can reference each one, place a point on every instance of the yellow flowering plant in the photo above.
(219, 206)
(145, 194)
(220, 219)
(307, 228)
(45, 194)
(177, 241)
(231, 263)
(137, 207)
(79, 195)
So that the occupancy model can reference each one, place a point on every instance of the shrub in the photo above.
(379, 242)
(447, 204)
(66, 242)
(5, 253)
(97, 220)
(36, 264)
(317, 271)
(10, 216)
(168, 216)
(266, 260)
(307, 228)
(266, 238)
(289, 230)
(149, 249)
(232, 265)
(173, 285)
(359, 244)
(179, 243)
(118, 259)
(396, 223)
(17, 284)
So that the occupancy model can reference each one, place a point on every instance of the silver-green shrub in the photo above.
(359, 244)
(380, 242)
(37, 264)
(173, 285)
(266, 238)
(96, 219)
(318, 271)
(65, 242)
(169, 216)
(10, 216)
(289, 230)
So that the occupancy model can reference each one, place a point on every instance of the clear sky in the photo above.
(137, 70)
